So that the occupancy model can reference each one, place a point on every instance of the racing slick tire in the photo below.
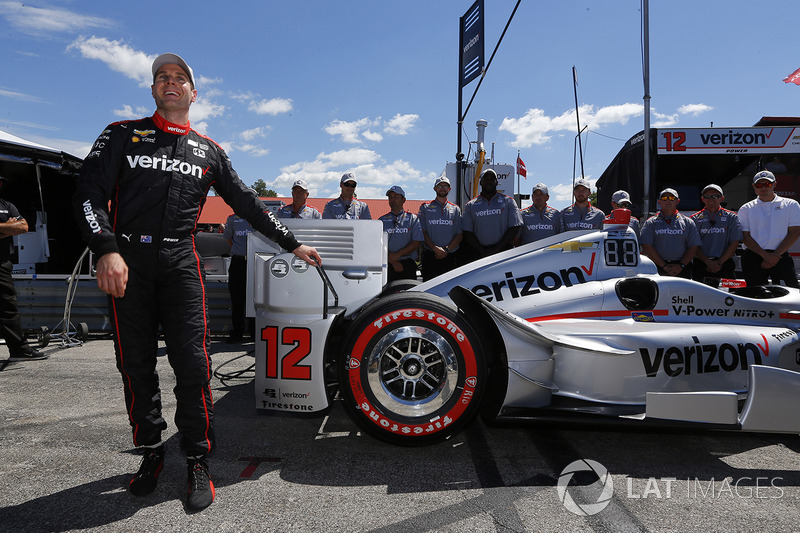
(398, 285)
(413, 370)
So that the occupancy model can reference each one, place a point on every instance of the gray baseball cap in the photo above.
(173, 59)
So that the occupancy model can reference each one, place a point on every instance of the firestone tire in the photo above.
(413, 371)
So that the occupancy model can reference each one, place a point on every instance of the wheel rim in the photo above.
(412, 371)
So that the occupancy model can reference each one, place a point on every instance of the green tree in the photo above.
(261, 188)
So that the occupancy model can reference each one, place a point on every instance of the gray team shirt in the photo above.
(574, 218)
(490, 219)
(236, 230)
(441, 221)
(338, 209)
(539, 224)
(670, 238)
(402, 229)
(717, 231)
(307, 212)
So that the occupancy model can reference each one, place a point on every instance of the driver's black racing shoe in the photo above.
(201, 488)
(144, 482)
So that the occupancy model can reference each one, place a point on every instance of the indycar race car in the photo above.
(578, 324)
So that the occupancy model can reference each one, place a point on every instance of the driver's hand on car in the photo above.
(308, 254)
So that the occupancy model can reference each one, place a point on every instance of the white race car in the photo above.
(577, 325)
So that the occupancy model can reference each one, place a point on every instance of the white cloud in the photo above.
(40, 21)
(118, 57)
(372, 136)
(534, 127)
(256, 151)
(22, 97)
(373, 174)
(128, 112)
(204, 109)
(249, 135)
(663, 121)
(400, 124)
(694, 109)
(355, 132)
(274, 106)
(350, 131)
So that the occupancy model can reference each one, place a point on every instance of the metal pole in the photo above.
(460, 121)
(646, 75)
(577, 115)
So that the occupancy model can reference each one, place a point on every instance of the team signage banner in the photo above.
(728, 140)
(472, 40)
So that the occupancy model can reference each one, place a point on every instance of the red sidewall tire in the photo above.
(413, 370)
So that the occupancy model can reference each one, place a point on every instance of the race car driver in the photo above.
(156, 172)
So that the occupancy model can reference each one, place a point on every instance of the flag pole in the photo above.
(519, 191)
(646, 76)
(577, 116)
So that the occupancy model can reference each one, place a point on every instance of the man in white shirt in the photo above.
(770, 226)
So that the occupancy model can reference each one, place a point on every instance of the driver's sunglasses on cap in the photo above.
(668, 197)
(349, 184)
(712, 196)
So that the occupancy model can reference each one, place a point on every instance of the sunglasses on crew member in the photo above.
(762, 184)
(668, 198)
(624, 205)
(349, 184)
(712, 196)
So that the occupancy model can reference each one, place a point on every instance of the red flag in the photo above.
(794, 77)
(522, 170)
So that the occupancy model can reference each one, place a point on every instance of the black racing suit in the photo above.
(10, 324)
(156, 175)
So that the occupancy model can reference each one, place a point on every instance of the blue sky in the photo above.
(313, 89)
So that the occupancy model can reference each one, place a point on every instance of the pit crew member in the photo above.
(582, 214)
(721, 234)
(491, 220)
(235, 232)
(622, 200)
(405, 234)
(298, 207)
(539, 220)
(440, 221)
(770, 226)
(346, 206)
(669, 238)
(12, 223)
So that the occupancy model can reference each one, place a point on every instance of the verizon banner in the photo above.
(472, 40)
(728, 140)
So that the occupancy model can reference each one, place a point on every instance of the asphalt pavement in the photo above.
(66, 459)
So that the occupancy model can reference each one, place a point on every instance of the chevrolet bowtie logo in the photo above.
(572, 246)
